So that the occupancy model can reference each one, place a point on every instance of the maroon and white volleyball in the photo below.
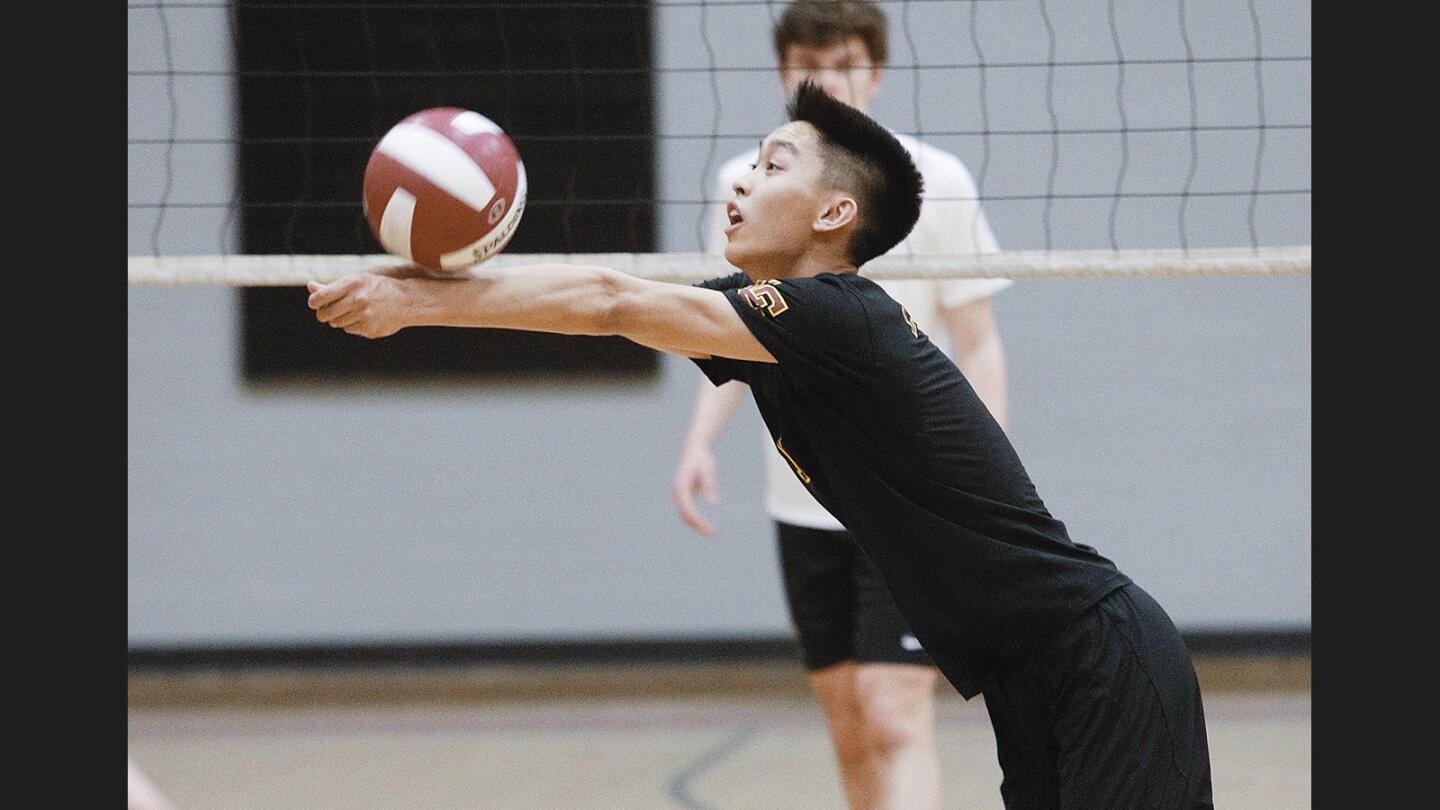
(444, 188)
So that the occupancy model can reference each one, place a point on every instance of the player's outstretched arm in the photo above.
(560, 298)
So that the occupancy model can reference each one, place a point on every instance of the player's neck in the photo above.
(806, 265)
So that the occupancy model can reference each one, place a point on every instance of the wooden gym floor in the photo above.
(613, 736)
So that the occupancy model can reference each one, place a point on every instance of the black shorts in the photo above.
(841, 608)
(1104, 713)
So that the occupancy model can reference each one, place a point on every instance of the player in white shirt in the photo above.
(873, 679)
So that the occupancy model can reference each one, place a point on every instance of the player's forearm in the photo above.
(403, 271)
(713, 408)
(561, 298)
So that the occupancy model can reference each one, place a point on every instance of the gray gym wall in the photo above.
(1166, 421)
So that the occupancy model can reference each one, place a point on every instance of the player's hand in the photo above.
(405, 271)
(696, 471)
(363, 304)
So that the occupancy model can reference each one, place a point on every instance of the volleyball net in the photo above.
(1104, 138)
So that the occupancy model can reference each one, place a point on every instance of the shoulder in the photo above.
(830, 311)
(828, 297)
(843, 296)
(837, 286)
(722, 283)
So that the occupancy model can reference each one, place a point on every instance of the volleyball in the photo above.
(445, 188)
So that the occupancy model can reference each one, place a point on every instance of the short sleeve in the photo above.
(816, 328)
(720, 370)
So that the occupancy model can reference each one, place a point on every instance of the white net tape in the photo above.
(290, 270)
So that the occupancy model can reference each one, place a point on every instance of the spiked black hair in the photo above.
(863, 158)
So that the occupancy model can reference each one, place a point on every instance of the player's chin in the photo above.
(735, 253)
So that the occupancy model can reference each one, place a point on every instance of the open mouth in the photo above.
(732, 212)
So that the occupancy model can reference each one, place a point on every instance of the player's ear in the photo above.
(840, 210)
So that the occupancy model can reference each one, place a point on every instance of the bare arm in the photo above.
(404, 271)
(979, 353)
(560, 298)
(696, 468)
(713, 408)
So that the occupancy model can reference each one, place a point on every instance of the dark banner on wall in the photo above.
(320, 83)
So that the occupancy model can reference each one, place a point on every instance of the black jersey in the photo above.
(887, 434)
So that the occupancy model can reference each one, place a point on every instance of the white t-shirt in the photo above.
(945, 226)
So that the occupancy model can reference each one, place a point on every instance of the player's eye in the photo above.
(770, 165)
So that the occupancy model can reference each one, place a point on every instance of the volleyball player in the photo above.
(1089, 687)
(872, 677)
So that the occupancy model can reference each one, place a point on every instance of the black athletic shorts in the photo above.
(841, 608)
(1104, 713)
